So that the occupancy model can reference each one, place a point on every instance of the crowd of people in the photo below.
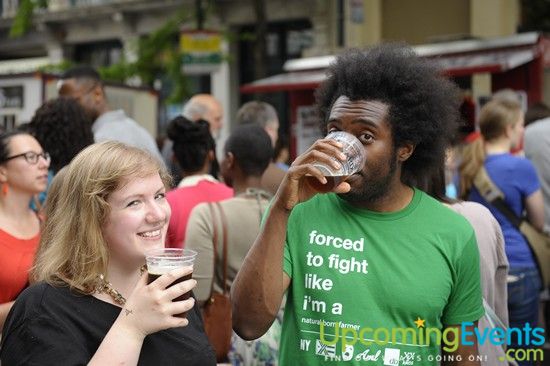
(314, 278)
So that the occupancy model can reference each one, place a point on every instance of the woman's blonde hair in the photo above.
(494, 118)
(72, 249)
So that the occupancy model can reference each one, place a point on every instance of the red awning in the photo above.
(298, 80)
(494, 61)
(491, 62)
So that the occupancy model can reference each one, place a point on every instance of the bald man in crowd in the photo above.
(265, 116)
(205, 106)
(200, 106)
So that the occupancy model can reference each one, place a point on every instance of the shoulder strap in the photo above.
(492, 194)
(214, 245)
(486, 186)
(224, 241)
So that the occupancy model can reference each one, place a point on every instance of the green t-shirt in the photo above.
(369, 276)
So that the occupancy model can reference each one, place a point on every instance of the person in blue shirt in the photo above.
(501, 125)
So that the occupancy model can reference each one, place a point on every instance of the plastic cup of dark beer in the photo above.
(163, 260)
(356, 158)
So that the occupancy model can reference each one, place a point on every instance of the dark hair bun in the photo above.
(192, 142)
(182, 130)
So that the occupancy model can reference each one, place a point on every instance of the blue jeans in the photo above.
(524, 287)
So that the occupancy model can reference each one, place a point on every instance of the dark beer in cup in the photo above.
(164, 260)
(332, 182)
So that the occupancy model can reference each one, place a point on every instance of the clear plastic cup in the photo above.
(163, 260)
(356, 158)
(354, 151)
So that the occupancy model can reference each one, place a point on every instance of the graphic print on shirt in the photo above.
(334, 262)
(339, 341)
(376, 289)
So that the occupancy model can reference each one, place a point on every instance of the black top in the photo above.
(56, 326)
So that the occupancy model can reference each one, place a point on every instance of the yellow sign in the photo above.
(201, 42)
(201, 51)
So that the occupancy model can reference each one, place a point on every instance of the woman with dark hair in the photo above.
(195, 152)
(23, 174)
(63, 128)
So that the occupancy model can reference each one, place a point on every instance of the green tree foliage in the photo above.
(119, 72)
(155, 49)
(57, 68)
(23, 19)
(158, 54)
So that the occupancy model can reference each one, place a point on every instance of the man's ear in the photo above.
(98, 93)
(405, 151)
(230, 160)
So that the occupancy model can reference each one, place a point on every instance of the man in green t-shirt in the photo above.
(377, 272)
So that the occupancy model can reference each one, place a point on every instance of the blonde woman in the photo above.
(91, 304)
(23, 174)
(501, 126)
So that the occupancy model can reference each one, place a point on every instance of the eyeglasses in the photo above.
(31, 157)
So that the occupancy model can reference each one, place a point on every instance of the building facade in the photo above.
(103, 32)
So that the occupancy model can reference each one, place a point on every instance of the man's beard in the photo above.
(92, 114)
(374, 188)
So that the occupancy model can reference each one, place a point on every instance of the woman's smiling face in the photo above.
(137, 220)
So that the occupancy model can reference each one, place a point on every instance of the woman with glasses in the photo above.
(23, 174)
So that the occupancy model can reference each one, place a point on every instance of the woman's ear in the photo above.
(405, 151)
(3, 174)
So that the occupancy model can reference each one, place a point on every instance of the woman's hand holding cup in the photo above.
(161, 298)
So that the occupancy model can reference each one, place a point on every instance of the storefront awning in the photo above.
(458, 58)
(25, 65)
(452, 65)
(299, 80)
(490, 62)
